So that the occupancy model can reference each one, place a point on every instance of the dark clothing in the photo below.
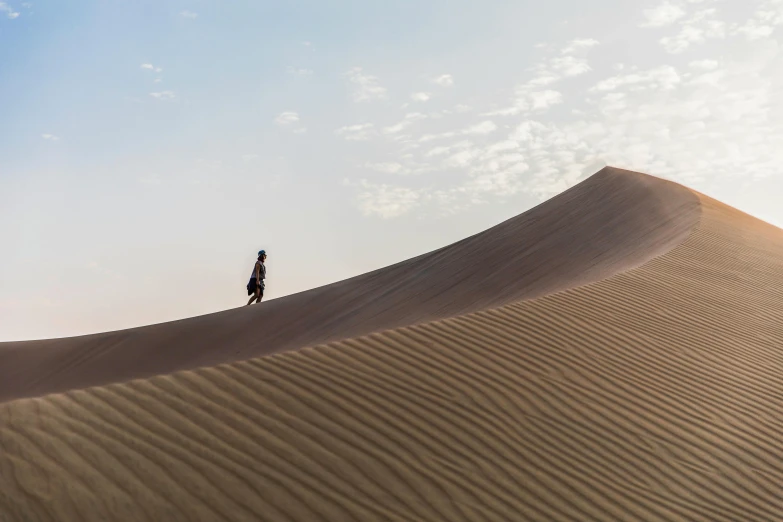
(253, 285)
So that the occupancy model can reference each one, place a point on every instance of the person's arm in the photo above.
(258, 271)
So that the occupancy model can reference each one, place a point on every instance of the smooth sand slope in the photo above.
(654, 393)
(613, 221)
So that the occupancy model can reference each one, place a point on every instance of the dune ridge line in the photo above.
(613, 221)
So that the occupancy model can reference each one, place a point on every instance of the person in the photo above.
(255, 288)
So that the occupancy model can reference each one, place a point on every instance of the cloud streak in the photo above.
(365, 87)
(164, 95)
(359, 132)
(9, 12)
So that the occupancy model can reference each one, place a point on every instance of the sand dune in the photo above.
(612, 222)
(648, 389)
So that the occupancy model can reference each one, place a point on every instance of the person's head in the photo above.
(261, 255)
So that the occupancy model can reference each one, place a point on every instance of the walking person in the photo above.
(255, 288)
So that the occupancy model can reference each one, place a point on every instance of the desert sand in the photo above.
(615, 353)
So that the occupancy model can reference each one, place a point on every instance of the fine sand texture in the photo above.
(652, 390)
(611, 222)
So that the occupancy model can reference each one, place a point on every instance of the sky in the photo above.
(149, 149)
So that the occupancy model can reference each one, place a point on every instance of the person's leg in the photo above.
(251, 292)
(259, 294)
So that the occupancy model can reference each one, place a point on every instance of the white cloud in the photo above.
(420, 96)
(485, 127)
(756, 31)
(359, 132)
(150, 67)
(8, 10)
(541, 100)
(695, 30)
(163, 95)
(249, 157)
(527, 100)
(287, 118)
(365, 86)
(397, 127)
(660, 78)
(463, 158)
(188, 14)
(409, 119)
(712, 116)
(442, 150)
(50, 137)
(569, 66)
(764, 22)
(298, 71)
(578, 45)
(533, 95)
(384, 200)
(157, 80)
(664, 14)
(444, 80)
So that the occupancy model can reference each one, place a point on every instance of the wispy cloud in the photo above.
(485, 127)
(365, 86)
(150, 67)
(444, 80)
(384, 200)
(665, 77)
(765, 20)
(188, 14)
(8, 10)
(298, 71)
(409, 120)
(291, 121)
(568, 66)
(421, 96)
(535, 95)
(359, 132)
(579, 44)
(163, 95)
(287, 118)
(663, 14)
(696, 29)
(50, 137)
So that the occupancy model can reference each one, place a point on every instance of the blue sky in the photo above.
(149, 149)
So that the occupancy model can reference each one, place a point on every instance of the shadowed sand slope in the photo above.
(653, 394)
(611, 222)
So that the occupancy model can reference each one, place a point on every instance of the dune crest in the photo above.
(611, 222)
